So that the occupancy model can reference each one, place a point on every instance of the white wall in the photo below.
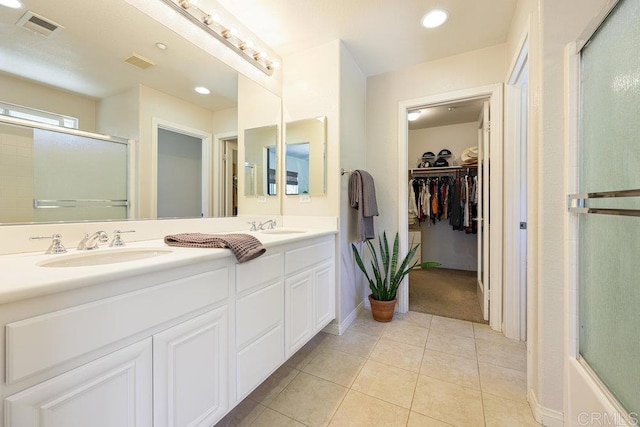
(326, 81)
(311, 88)
(225, 121)
(119, 115)
(440, 242)
(159, 105)
(29, 94)
(551, 25)
(385, 91)
(257, 107)
(353, 98)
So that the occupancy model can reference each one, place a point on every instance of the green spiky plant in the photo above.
(387, 271)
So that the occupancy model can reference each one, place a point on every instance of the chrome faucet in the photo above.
(270, 222)
(253, 226)
(56, 243)
(91, 242)
(117, 239)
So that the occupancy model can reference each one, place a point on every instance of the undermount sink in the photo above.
(101, 258)
(283, 231)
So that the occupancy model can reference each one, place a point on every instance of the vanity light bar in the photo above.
(228, 36)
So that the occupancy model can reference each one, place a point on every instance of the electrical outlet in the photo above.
(305, 198)
(262, 199)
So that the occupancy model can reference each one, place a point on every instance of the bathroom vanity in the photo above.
(176, 337)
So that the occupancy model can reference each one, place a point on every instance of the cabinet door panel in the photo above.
(299, 310)
(324, 295)
(190, 372)
(113, 391)
(259, 312)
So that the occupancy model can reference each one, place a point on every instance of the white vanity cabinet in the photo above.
(114, 390)
(309, 292)
(150, 350)
(259, 320)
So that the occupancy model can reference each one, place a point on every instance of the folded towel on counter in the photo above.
(362, 196)
(244, 246)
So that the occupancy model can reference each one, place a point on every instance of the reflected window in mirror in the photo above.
(305, 157)
(297, 162)
(271, 170)
(38, 116)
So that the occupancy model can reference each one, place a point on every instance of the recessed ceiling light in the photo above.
(13, 4)
(202, 90)
(414, 115)
(435, 18)
(161, 46)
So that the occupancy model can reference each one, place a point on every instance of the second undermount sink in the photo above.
(283, 231)
(102, 258)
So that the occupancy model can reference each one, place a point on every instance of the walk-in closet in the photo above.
(447, 196)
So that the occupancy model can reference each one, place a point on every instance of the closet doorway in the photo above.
(454, 207)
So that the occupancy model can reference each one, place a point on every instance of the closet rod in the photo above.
(440, 170)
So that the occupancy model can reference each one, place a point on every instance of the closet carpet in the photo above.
(446, 293)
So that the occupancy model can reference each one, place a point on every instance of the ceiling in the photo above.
(382, 35)
(449, 114)
(87, 56)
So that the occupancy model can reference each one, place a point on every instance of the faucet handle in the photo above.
(117, 238)
(253, 226)
(273, 224)
(56, 243)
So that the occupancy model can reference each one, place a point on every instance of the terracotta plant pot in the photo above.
(382, 310)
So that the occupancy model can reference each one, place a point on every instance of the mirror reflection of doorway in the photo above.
(231, 177)
(179, 175)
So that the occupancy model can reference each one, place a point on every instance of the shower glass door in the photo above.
(608, 206)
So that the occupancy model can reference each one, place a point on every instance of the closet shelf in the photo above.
(440, 170)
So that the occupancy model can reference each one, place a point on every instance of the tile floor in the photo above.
(418, 370)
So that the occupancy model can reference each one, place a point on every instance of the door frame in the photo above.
(207, 167)
(494, 92)
(219, 151)
(515, 179)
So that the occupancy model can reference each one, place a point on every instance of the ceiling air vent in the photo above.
(139, 61)
(39, 24)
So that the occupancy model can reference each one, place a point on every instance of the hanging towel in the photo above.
(244, 246)
(362, 196)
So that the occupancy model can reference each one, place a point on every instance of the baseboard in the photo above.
(339, 328)
(545, 416)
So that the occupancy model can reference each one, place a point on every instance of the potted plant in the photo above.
(387, 273)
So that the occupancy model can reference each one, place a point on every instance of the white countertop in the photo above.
(22, 277)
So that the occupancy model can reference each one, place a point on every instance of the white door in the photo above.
(113, 391)
(324, 306)
(179, 175)
(483, 210)
(191, 371)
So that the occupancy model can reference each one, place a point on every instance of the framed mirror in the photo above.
(305, 157)
(260, 162)
(126, 75)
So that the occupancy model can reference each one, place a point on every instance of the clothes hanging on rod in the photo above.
(452, 198)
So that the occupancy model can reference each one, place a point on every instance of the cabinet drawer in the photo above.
(259, 312)
(257, 361)
(258, 271)
(298, 259)
(79, 330)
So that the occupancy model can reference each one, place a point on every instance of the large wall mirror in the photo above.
(305, 157)
(110, 69)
